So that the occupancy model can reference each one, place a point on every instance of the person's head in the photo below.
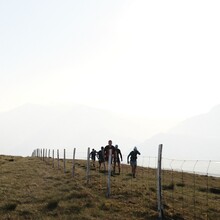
(135, 148)
(110, 142)
(102, 148)
(116, 146)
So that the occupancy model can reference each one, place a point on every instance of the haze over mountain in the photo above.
(196, 138)
(57, 127)
(67, 126)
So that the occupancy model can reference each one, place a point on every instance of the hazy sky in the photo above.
(149, 58)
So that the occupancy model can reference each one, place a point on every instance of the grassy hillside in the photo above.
(31, 188)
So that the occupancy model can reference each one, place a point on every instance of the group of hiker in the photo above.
(116, 157)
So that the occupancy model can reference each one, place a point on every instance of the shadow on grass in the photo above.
(9, 207)
(211, 190)
(51, 205)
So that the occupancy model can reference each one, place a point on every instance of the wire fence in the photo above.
(190, 188)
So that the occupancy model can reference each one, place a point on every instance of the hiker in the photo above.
(106, 152)
(93, 156)
(133, 160)
(118, 158)
(101, 157)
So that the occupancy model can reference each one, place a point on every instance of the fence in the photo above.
(190, 189)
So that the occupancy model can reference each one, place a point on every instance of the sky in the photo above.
(154, 59)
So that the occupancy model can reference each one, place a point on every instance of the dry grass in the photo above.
(32, 189)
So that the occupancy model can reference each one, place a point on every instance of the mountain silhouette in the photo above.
(36, 126)
(33, 126)
(196, 138)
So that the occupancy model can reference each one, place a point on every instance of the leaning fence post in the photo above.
(73, 171)
(88, 167)
(159, 187)
(109, 173)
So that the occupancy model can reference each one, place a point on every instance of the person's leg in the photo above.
(119, 167)
(133, 170)
(114, 165)
(134, 174)
(104, 165)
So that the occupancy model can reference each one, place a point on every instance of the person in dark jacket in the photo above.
(107, 153)
(118, 158)
(101, 157)
(133, 160)
(93, 156)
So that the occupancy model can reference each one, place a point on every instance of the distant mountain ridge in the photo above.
(30, 126)
(196, 138)
(206, 125)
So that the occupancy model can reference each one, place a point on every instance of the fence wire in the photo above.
(190, 188)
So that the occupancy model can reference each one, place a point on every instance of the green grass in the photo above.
(31, 188)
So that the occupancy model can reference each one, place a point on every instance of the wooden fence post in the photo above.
(58, 159)
(49, 156)
(64, 160)
(43, 153)
(53, 158)
(73, 167)
(159, 186)
(88, 165)
(109, 173)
